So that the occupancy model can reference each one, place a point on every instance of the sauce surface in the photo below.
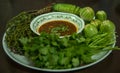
(58, 26)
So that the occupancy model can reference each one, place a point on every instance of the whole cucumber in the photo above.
(70, 8)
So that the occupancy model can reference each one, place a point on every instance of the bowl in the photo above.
(43, 19)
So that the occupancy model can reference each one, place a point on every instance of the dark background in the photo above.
(10, 8)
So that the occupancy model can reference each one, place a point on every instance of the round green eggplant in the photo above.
(90, 30)
(107, 26)
(87, 13)
(101, 15)
(96, 23)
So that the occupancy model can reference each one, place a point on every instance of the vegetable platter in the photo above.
(48, 52)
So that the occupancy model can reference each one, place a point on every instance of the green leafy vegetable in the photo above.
(75, 62)
(18, 27)
(60, 28)
(50, 51)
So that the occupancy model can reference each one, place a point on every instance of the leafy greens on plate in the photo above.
(50, 51)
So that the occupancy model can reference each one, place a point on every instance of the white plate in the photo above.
(23, 60)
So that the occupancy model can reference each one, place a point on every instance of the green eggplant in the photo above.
(87, 13)
(90, 30)
(101, 15)
(107, 26)
(96, 23)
